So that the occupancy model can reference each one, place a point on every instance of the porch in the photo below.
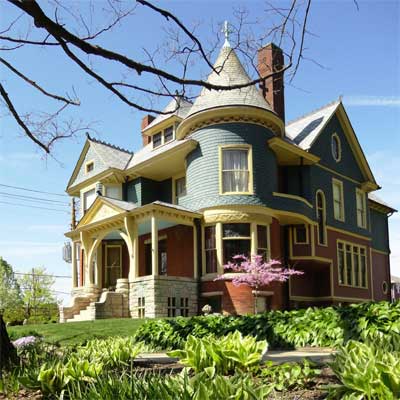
(136, 261)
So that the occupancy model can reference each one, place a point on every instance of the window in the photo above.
(141, 307)
(336, 147)
(113, 264)
(300, 234)
(113, 192)
(321, 217)
(157, 140)
(184, 309)
(171, 307)
(338, 200)
(88, 198)
(352, 265)
(361, 209)
(236, 240)
(162, 257)
(262, 241)
(210, 249)
(89, 166)
(180, 188)
(168, 134)
(236, 177)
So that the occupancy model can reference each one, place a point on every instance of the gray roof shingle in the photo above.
(231, 72)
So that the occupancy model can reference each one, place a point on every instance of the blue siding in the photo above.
(322, 148)
(142, 191)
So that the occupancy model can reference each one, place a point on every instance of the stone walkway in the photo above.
(315, 354)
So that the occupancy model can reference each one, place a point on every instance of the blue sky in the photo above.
(358, 49)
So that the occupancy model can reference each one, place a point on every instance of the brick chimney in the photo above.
(270, 59)
(146, 120)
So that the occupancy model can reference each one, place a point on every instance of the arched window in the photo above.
(321, 216)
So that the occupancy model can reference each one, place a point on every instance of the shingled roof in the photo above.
(304, 130)
(231, 72)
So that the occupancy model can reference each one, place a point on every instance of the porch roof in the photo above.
(106, 213)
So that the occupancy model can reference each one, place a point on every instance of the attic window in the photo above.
(168, 134)
(157, 140)
(89, 166)
(336, 147)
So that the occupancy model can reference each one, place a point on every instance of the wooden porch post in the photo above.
(220, 250)
(74, 267)
(154, 245)
(132, 241)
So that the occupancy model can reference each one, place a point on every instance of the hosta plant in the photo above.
(232, 352)
(367, 371)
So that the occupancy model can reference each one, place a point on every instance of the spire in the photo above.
(226, 31)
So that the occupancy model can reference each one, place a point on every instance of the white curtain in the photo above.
(235, 171)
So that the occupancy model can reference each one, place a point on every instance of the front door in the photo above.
(113, 265)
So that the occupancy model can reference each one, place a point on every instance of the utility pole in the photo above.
(73, 216)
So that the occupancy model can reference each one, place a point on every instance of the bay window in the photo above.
(236, 170)
(210, 245)
(321, 217)
(236, 240)
(262, 241)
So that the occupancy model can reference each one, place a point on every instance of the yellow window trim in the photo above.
(324, 217)
(352, 252)
(238, 146)
(307, 235)
(87, 164)
(364, 205)
(339, 143)
(342, 217)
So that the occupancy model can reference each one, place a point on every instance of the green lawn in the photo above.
(72, 333)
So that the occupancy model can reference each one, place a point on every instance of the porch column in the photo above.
(254, 244)
(99, 265)
(220, 251)
(132, 242)
(195, 266)
(87, 243)
(74, 267)
(154, 245)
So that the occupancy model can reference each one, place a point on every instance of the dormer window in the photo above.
(157, 140)
(89, 167)
(163, 137)
(168, 134)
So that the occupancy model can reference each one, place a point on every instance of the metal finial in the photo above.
(226, 31)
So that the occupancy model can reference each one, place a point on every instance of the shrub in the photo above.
(322, 327)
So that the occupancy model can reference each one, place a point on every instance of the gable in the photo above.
(98, 211)
(348, 164)
(79, 175)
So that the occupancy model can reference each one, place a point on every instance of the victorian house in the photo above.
(225, 176)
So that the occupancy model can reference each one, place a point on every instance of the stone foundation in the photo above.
(157, 289)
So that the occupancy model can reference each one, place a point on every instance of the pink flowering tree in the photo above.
(256, 273)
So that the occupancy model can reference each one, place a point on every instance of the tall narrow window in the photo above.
(341, 264)
(141, 307)
(168, 134)
(162, 256)
(361, 209)
(157, 140)
(236, 240)
(88, 198)
(235, 170)
(210, 249)
(180, 188)
(338, 200)
(321, 217)
(336, 147)
(262, 241)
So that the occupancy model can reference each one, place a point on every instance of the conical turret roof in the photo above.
(231, 72)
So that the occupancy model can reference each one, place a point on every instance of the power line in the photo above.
(41, 199)
(33, 274)
(30, 206)
(32, 190)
